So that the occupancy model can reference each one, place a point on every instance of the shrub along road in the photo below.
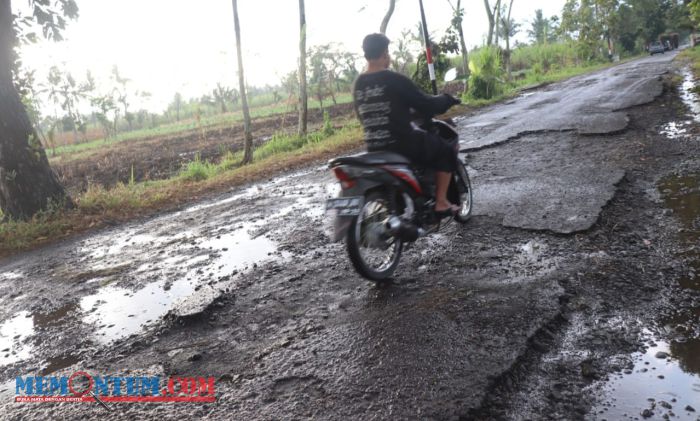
(570, 263)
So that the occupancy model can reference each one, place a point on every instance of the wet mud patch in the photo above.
(663, 381)
(665, 376)
(175, 266)
(312, 339)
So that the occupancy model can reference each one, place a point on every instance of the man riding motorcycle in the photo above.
(384, 101)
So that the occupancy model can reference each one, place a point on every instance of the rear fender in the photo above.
(362, 187)
(391, 178)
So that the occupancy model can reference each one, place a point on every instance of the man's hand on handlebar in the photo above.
(453, 101)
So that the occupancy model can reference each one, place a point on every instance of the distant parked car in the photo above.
(656, 47)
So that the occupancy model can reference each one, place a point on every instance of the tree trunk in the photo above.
(303, 94)
(73, 124)
(331, 82)
(497, 18)
(508, 23)
(387, 17)
(248, 148)
(463, 46)
(27, 183)
(489, 40)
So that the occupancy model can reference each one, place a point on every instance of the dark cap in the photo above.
(374, 45)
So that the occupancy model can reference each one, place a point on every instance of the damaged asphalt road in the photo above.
(552, 180)
(561, 277)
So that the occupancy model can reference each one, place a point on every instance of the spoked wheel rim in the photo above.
(377, 249)
(466, 199)
(465, 193)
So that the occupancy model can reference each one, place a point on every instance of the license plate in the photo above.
(346, 206)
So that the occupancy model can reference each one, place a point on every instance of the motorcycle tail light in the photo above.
(406, 175)
(346, 182)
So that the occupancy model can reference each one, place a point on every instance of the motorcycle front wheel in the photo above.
(373, 251)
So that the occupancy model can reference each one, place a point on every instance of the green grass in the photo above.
(18, 235)
(198, 170)
(692, 56)
(543, 58)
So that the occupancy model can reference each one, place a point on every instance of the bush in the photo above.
(198, 170)
(328, 129)
(544, 57)
(485, 80)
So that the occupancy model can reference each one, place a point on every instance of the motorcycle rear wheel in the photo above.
(465, 194)
(373, 252)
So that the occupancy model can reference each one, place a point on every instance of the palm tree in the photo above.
(457, 18)
(248, 148)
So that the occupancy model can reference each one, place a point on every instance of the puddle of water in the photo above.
(8, 276)
(119, 312)
(96, 249)
(13, 332)
(239, 250)
(689, 97)
(661, 386)
(182, 271)
(250, 191)
(682, 195)
(676, 130)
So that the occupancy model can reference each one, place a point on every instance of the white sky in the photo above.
(166, 46)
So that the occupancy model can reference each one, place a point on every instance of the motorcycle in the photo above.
(386, 203)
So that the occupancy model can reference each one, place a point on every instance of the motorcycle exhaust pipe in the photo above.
(403, 230)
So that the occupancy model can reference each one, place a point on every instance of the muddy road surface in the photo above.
(571, 294)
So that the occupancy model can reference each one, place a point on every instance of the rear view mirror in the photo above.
(451, 75)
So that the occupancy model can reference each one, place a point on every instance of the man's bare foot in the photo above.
(444, 206)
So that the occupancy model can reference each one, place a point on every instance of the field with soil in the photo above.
(162, 157)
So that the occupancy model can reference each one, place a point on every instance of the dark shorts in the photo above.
(427, 150)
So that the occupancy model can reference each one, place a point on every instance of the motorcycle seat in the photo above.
(371, 158)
